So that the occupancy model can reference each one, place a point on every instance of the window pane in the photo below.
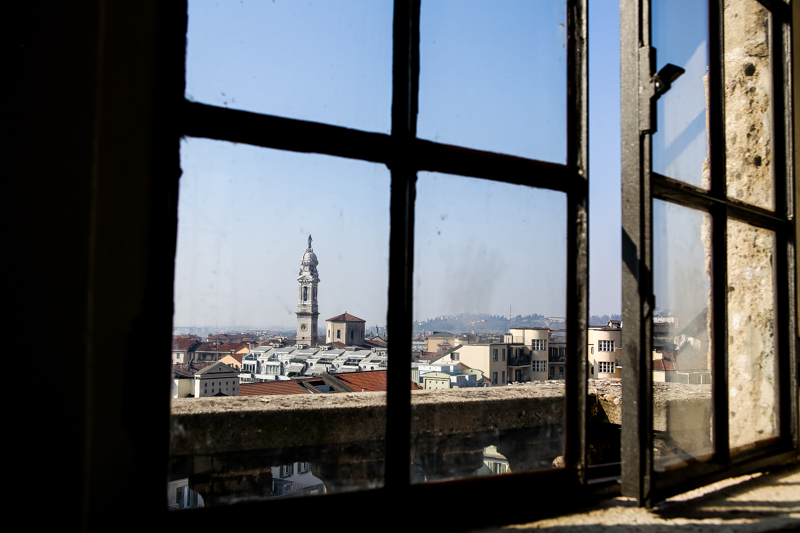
(493, 76)
(274, 250)
(682, 405)
(748, 103)
(752, 370)
(680, 36)
(326, 61)
(490, 258)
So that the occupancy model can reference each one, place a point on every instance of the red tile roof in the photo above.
(182, 343)
(345, 317)
(187, 370)
(369, 381)
(272, 388)
(378, 343)
(224, 347)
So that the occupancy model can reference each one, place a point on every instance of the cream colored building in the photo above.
(216, 380)
(528, 344)
(605, 351)
(436, 380)
(440, 340)
(345, 328)
(491, 359)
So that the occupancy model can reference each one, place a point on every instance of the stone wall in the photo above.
(748, 103)
(751, 284)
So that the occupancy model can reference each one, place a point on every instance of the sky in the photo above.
(492, 76)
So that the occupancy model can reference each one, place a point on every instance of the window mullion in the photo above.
(577, 236)
(401, 241)
(637, 254)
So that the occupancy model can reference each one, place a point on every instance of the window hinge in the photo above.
(647, 89)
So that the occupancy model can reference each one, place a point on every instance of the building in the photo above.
(605, 351)
(491, 359)
(346, 329)
(440, 340)
(181, 346)
(216, 380)
(307, 306)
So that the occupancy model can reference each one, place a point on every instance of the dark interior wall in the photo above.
(93, 152)
(49, 135)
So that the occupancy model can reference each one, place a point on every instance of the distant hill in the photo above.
(497, 323)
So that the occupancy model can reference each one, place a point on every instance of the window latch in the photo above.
(664, 78)
(652, 85)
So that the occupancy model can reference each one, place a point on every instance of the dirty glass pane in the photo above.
(325, 61)
(748, 103)
(682, 354)
(489, 300)
(493, 76)
(680, 36)
(281, 279)
(752, 366)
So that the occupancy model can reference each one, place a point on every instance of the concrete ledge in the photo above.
(213, 425)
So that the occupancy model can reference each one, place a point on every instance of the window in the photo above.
(605, 346)
(503, 376)
(494, 354)
(538, 345)
(699, 77)
(605, 367)
(539, 366)
(409, 154)
(504, 354)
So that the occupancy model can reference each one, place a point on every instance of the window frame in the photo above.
(405, 154)
(640, 186)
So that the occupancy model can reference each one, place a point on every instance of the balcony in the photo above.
(521, 360)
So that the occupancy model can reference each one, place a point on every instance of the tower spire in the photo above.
(307, 307)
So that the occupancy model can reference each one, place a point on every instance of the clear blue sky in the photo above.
(493, 76)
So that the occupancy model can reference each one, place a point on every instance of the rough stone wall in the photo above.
(748, 103)
(753, 393)
(751, 289)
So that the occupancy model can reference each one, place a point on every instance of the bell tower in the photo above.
(307, 309)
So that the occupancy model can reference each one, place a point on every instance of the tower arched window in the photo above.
(305, 294)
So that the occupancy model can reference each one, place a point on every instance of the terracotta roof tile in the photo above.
(187, 370)
(182, 343)
(272, 388)
(378, 343)
(369, 381)
(345, 317)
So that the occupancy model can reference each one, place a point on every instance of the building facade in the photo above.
(345, 328)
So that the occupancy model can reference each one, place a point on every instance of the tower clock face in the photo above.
(303, 327)
(305, 268)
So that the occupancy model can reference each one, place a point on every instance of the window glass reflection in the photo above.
(680, 36)
(682, 353)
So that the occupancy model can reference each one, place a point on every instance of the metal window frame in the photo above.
(405, 154)
(640, 186)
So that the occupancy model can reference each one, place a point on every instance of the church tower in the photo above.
(307, 309)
